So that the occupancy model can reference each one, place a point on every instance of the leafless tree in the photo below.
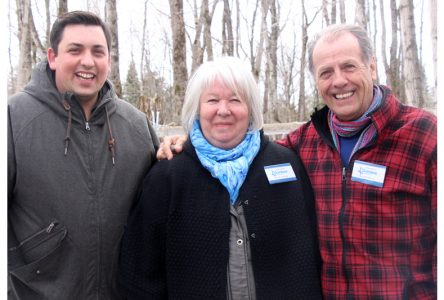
(271, 67)
(413, 74)
(48, 23)
(384, 41)
(342, 11)
(197, 48)
(360, 15)
(256, 59)
(253, 33)
(180, 72)
(238, 36)
(63, 7)
(394, 75)
(111, 19)
(434, 34)
(227, 30)
(302, 105)
(25, 36)
(143, 50)
(333, 12)
(202, 28)
(325, 12)
(208, 44)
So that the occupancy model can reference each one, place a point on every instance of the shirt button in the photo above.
(240, 242)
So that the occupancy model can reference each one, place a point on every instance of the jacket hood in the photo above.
(42, 87)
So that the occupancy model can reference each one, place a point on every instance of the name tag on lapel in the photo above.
(280, 173)
(368, 173)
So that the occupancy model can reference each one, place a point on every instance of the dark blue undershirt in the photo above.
(347, 144)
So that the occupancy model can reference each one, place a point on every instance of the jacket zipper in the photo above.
(48, 230)
(87, 126)
(341, 228)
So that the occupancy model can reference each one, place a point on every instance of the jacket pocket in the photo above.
(37, 245)
(48, 267)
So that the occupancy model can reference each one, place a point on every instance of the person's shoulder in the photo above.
(23, 106)
(401, 112)
(181, 165)
(127, 109)
(130, 115)
(20, 99)
(276, 150)
(302, 131)
(418, 118)
(419, 113)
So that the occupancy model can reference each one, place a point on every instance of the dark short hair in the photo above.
(76, 18)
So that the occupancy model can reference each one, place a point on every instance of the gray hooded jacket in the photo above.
(71, 184)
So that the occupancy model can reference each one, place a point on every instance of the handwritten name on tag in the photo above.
(280, 173)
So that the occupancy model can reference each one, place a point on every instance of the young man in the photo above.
(76, 156)
(372, 162)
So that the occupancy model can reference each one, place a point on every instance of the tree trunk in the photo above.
(251, 42)
(37, 47)
(384, 42)
(413, 78)
(63, 7)
(227, 31)
(197, 49)
(325, 12)
(111, 19)
(24, 31)
(395, 73)
(272, 60)
(333, 12)
(288, 59)
(142, 51)
(237, 41)
(375, 33)
(434, 34)
(360, 15)
(208, 44)
(180, 73)
(302, 64)
(48, 24)
(342, 11)
(262, 41)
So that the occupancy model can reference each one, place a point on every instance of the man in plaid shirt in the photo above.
(372, 162)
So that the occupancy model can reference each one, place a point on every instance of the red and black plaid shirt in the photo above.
(376, 242)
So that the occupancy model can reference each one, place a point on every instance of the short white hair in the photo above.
(236, 75)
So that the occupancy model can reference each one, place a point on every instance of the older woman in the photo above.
(230, 218)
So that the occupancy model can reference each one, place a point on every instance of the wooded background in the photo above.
(163, 42)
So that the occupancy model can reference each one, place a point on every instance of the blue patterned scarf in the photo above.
(348, 129)
(229, 166)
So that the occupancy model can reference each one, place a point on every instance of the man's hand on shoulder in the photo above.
(171, 145)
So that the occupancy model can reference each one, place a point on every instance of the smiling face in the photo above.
(343, 79)
(82, 62)
(223, 115)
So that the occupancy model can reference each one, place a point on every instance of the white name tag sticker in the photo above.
(280, 173)
(368, 173)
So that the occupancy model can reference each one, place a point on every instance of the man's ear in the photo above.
(51, 58)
